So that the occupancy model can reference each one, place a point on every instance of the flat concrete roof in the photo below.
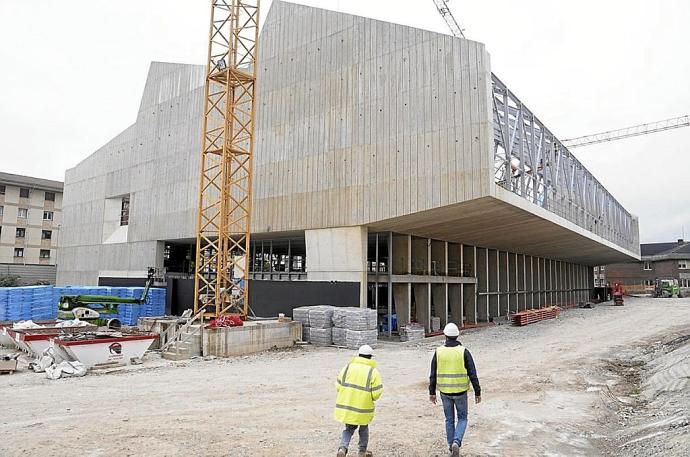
(29, 181)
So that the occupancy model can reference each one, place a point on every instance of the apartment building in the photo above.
(30, 215)
(669, 260)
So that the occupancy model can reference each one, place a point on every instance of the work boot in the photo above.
(342, 452)
(365, 454)
(455, 449)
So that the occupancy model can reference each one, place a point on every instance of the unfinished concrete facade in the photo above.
(386, 158)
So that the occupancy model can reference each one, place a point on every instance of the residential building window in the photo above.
(50, 196)
(45, 253)
(647, 266)
(24, 192)
(21, 232)
(602, 268)
(2, 190)
(596, 269)
(19, 252)
(683, 264)
(23, 213)
(47, 215)
(648, 282)
(2, 210)
(46, 234)
(124, 212)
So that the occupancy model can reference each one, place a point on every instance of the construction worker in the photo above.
(452, 369)
(358, 386)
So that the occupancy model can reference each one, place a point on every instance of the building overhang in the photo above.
(510, 223)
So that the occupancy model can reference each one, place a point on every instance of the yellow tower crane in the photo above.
(225, 192)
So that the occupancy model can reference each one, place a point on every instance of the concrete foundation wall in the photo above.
(250, 338)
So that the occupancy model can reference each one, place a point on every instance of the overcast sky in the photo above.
(72, 73)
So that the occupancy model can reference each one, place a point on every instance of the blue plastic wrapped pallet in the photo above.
(41, 302)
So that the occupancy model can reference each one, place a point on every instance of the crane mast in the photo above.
(444, 11)
(225, 192)
(635, 130)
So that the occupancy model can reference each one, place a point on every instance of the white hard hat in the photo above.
(451, 330)
(366, 350)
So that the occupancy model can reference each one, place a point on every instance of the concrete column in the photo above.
(482, 261)
(551, 281)
(338, 254)
(421, 304)
(444, 318)
(401, 295)
(504, 297)
(390, 283)
(541, 285)
(439, 304)
(428, 289)
(455, 304)
(530, 282)
(537, 281)
(493, 274)
(513, 282)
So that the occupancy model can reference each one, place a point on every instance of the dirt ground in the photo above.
(589, 383)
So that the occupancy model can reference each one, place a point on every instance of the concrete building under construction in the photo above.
(392, 169)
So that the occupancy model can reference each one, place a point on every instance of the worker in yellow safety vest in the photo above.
(358, 386)
(452, 370)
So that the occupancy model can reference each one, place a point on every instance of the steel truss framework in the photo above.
(224, 212)
(532, 163)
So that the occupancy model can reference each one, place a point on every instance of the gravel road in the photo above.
(539, 389)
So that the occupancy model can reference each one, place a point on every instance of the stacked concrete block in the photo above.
(321, 336)
(356, 338)
(339, 336)
(321, 317)
(355, 327)
(411, 332)
(301, 314)
(320, 325)
(355, 318)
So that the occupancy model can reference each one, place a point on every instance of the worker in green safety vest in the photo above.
(452, 370)
(358, 386)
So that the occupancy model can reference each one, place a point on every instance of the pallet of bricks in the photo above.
(535, 315)
(349, 327)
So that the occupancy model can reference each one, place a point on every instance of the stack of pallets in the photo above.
(535, 315)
